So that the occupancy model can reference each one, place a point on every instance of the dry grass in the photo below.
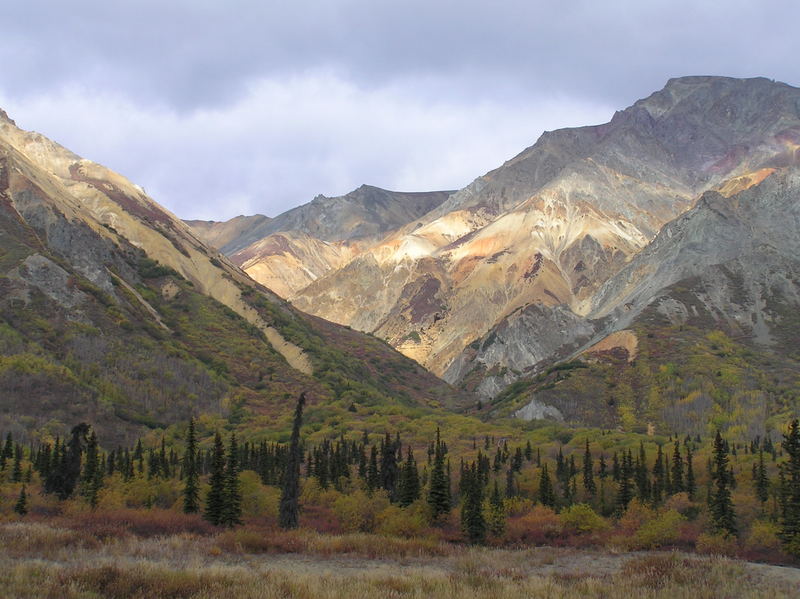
(42, 561)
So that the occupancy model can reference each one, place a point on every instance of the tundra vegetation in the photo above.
(375, 496)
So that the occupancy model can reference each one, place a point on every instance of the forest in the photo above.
(546, 486)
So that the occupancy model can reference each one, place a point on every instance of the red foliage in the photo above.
(320, 518)
(140, 523)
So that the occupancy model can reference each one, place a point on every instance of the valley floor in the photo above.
(39, 560)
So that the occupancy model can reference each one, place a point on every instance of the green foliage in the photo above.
(723, 517)
(790, 493)
(662, 530)
(581, 518)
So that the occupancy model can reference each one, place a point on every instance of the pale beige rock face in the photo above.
(59, 181)
(552, 226)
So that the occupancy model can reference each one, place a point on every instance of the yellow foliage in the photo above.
(581, 518)
(358, 512)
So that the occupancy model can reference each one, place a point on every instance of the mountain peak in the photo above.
(4, 117)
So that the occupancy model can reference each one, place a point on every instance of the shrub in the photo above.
(763, 535)
(681, 504)
(142, 523)
(358, 511)
(540, 525)
(402, 522)
(581, 518)
(662, 530)
(714, 544)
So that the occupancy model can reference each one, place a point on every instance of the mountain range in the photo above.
(639, 273)
(565, 246)
(112, 311)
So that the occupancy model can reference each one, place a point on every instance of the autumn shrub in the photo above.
(250, 539)
(141, 523)
(22, 538)
(717, 544)
(660, 571)
(539, 526)
(358, 511)
(680, 503)
(258, 500)
(662, 530)
(582, 519)
(320, 518)
(411, 521)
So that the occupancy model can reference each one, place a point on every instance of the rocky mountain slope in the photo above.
(525, 250)
(113, 311)
(297, 247)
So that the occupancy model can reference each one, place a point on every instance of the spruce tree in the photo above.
(642, 477)
(409, 481)
(21, 506)
(191, 487)
(723, 518)
(389, 467)
(232, 510)
(16, 470)
(215, 499)
(677, 470)
(790, 492)
(496, 520)
(625, 491)
(373, 475)
(658, 477)
(473, 523)
(66, 472)
(439, 490)
(289, 511)
(588, 473)
(691, 485)
(92, 477)
(761, 480)
(547, 495)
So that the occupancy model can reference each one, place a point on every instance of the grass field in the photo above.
(40, 560)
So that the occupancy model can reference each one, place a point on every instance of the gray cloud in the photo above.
(219, 108)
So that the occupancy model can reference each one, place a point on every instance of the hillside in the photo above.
(114, 312)
(531, 246)
(706, 326)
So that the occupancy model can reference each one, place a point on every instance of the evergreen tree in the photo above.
(691, 485)
(409, 480)
(232, 510)
(92, 477)
(658, 477)
(473, 523)
(7, 452)
(528, 451)
(289, 508)
(790, 491)
(602, 470)
(677, 470)
(547, 495)
(16, 470)
(496, 515)
(625, 491)
(439, 490)
(215, 499)
(66, 472)
(21, 506)
(511, 487)
(588, 473)
(373, 476)
(642, 478)
(761, 481)
(191, 487)
(723, 518)
(389, 467)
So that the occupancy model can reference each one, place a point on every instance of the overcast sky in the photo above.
(221, 108)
